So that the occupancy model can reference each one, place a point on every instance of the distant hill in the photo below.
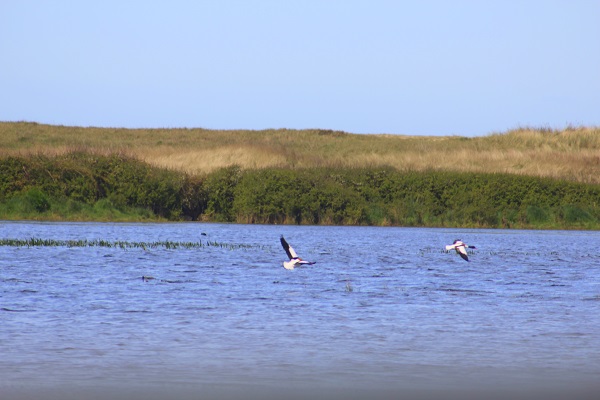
(572, 154)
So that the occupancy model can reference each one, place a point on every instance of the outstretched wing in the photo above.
(462, 252)
(288, 249)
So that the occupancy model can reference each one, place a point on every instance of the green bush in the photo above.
(13, 175)
(220, 186)
(115, 187)
(133, 183)
(194, 197)
(574, 215)
(536, 214)
(37, 200)
(300, 197)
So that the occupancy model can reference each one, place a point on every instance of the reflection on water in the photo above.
(382, 308)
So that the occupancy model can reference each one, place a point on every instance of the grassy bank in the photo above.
(571, 154)
(89, 186)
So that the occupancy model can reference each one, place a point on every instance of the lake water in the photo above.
(381, 308)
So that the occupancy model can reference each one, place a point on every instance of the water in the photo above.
(382, 308)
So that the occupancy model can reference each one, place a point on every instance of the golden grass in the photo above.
(571, 154)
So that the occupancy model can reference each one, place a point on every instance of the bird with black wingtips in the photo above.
(461, 248)
(291, 253)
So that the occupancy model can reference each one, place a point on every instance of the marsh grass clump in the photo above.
(123, 245)
(349, 287)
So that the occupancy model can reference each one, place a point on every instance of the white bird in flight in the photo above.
(461, 248)
(294, 259)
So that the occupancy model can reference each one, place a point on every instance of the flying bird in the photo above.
(294, 259)
(461, 248)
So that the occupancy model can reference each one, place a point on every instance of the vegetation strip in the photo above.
(38, 242)
(102, 182)
(81, 186)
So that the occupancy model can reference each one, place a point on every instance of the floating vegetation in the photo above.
(170, 245)
(147, 278)
(349, 287)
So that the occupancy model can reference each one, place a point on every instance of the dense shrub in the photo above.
(272, 196)
(194, 197)
(109, 185)
(302, 197)
(88, 178)
(12, 176)
(36, 200)
(220, 186)
(133, 183)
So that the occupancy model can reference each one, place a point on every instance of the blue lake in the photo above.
(381, 308)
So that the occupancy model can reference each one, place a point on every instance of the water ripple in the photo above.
(365, 314)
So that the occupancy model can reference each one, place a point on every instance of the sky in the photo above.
(462, 67)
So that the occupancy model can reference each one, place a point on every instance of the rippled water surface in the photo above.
(382, 307)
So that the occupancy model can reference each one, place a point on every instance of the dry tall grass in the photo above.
(571, 154)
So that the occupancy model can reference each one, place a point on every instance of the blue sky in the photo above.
(371, 66)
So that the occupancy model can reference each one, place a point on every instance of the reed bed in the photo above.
(124, 245)
(571, 154)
